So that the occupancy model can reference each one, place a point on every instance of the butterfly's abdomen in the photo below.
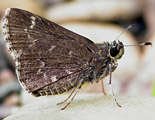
(38, 93)
(52, 91)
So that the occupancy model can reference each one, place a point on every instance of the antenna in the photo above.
(142, 44)
(130, 26)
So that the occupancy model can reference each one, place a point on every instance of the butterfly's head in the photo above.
(116, 50)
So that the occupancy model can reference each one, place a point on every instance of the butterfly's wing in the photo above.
(44, 52)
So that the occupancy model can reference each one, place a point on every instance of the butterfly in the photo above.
(51, 60)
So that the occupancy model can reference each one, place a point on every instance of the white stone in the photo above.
(87, 107)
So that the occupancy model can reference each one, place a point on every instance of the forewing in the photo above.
(44, 52)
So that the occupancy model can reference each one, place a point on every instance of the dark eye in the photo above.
(114, 51)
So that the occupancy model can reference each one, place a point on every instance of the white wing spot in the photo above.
(6, 36)
(7, 11)
(38, 71)
(33, 18)
(35, 40)
(8, 45)
(42, 64)
(25, 30)
(52, 47)
(29, 36)
(32, 22)
(17, 73)
(68, 72)
(19, 53)
(70, 52)
(17, 64)
(23, 85)
(15, 55)
(5, 23)
(31, 26)
(31, 44)
(45, 76)
(53, 78)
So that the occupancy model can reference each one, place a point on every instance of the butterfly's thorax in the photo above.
(102, 61)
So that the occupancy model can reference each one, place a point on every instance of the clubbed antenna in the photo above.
(142, 44)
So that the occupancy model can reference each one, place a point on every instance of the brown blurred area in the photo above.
(98, 20)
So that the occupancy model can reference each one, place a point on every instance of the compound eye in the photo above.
(114, 51)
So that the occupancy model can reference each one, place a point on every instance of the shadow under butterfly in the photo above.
(51, 60)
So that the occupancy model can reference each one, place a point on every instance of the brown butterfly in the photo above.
(51, 60)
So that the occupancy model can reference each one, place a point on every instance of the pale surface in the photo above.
(88, 107)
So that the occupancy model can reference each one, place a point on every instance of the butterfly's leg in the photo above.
(67, 97)
(103, 88)
(72, 98)
(110, 73)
